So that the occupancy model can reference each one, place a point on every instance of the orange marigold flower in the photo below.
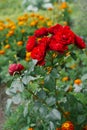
(7, 46)
(66, 114)
(65, 23)
(30, 129)
(65, 78)
(1, 28)
(78, 81)
(68, 125)
(64, 5)
(22, 31)
(2, 52)
(85, 127)
(19, 43)
(28, 54)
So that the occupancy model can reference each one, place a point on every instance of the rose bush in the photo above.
(51, 93)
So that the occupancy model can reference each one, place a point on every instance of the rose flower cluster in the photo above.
(56, 38)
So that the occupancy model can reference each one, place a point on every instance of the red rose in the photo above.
(13, 68)
(39, 52)
(31, 43)
(41, 63)
(55, 46)
(55, 29)
(45, 41)
(41, 32)
(65, 36)
(79, 42)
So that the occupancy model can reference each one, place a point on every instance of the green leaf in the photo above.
(81, 119)
(73, 55)
(8, 104)
(16, 99)
(49, 82)
(51, 126)
(25, 112)
(84, 77)
(54, 115)
(32, 65)
(51, 101)
(54, 73)
(26, 79)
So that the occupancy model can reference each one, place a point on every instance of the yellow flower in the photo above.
(54, 55)
(49, 69)
(7, 46)
(65, 79)
(19, 43)
(28, 54)
(20, 23)
(68, 53)
(13, 27)
(22, 31)
(2, 52)
(33, 23)
(49, 23)
(78, 81)
(41, 17)
(11, 32)
(65, 23)
(1, 28)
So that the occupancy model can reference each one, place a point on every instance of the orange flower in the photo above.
(78, 81)
(22, 31)
(33, 23)
(63, 5)
(65, 79)
(66, 114)
(7, 46)
(19, 43)
(85, 127)
(68, 125)
(65, 23)
(1, 28)
(30, 129)
(2, 52)
(49, 23)
(28, 54)
(50, 8)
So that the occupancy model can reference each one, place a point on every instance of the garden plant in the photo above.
(43, 65)
(50, 94)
